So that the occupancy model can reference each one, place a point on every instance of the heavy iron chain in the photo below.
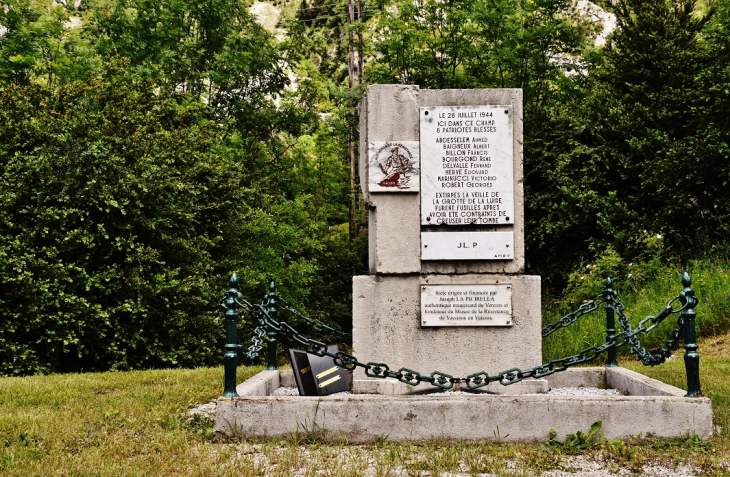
(627, 336)
(318, 325)
(480, 379)
(259, 333)
(571, 318)
(257, 340)
(672, 344)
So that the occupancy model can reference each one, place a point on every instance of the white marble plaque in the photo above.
(394, 166)
(467, 165)
(466, 305)
(467, 245)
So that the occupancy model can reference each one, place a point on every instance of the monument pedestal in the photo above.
(387, 329)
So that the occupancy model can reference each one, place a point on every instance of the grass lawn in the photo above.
(134, 423)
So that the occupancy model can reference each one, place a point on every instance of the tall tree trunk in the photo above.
(351, 122)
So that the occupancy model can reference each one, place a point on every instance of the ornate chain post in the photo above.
(230, 359)
(608, 295)
(272, 308)
(691, 356)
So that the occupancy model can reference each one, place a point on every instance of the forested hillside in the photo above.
(149, 148)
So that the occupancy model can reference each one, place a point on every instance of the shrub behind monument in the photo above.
(113, 204)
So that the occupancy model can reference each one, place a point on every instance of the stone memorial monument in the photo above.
(441, 174)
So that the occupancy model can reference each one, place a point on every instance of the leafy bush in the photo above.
(114, 200)
(647, 264)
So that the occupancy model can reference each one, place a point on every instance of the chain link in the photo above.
(647, 358)
(571, 318)
(477, 380)
(257, 340)
(318, 325)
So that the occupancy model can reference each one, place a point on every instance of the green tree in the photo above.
(643, 127)
(122, 211)
(427, 43)
(214, 51)
(40, 45)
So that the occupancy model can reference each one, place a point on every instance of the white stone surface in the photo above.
(382, 387)
(391, 113)
(263, 384)
(394, 243)
(590, 377)
(467, 245)
(387, 327)
(467, 165)
(466, 305)
(637, 384)
(584, 391)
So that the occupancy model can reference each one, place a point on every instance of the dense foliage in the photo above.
(131, 188)
(112, 201)
(150, 148)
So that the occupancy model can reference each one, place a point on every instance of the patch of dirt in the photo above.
(717, 346)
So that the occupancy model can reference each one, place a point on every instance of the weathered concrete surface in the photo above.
(384, 387)
(392, 387)
(286, 378)
(625, 380)
(263, 384)
(592, 377)
(471, 417)
(386, 323)
(390, 113)
(637, 384)
(394, 233)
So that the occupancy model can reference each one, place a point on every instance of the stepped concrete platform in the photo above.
(649, 407)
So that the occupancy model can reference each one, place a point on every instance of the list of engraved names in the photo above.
(466, 165)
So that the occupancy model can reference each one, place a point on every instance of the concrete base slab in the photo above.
(654, 408)
(392, 387)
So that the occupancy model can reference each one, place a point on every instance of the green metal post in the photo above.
(610, 325)
(272, 307)
(230, 358)
(691, 356)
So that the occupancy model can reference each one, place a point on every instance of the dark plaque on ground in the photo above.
(317, 375)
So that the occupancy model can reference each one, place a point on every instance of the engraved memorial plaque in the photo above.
(317, 375)
(467, 245)
(393, 166)
(466, 305)
(467, 165)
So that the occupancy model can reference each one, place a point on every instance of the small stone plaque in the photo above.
(467, 165)
(394, 166)
(467, 305)
(467, 245)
